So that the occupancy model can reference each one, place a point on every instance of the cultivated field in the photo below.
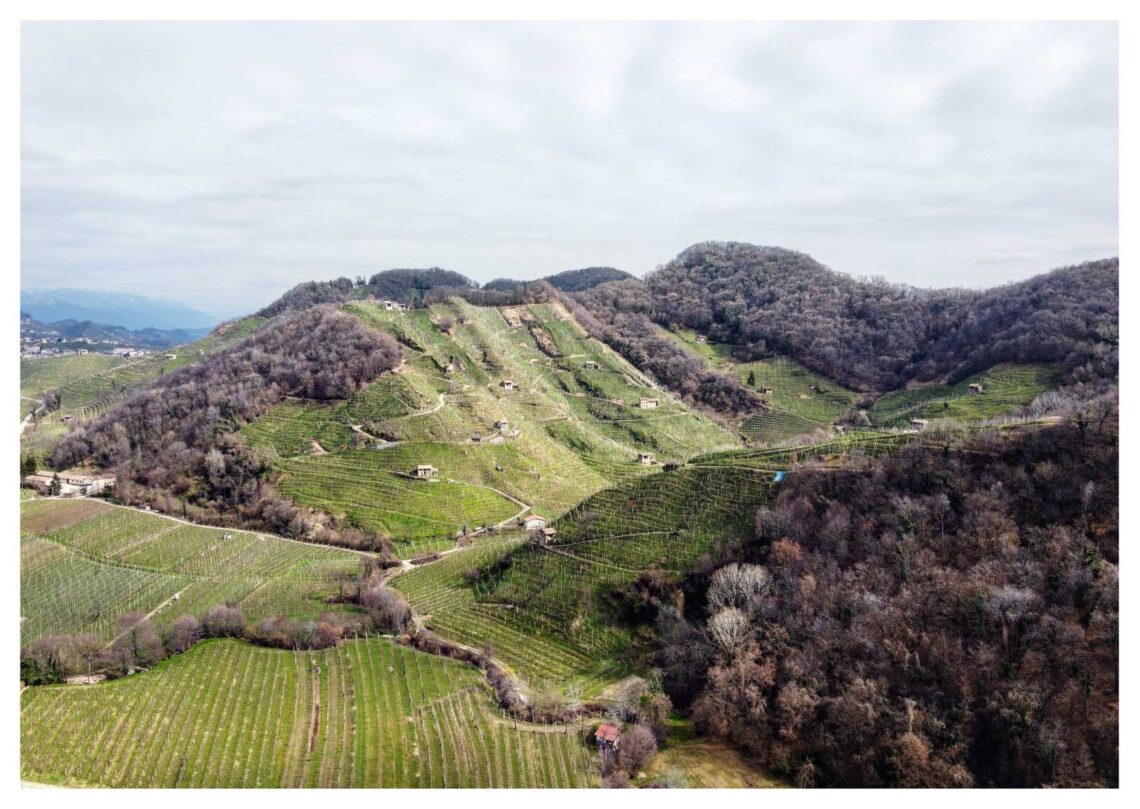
(84, 563)
(368, 713)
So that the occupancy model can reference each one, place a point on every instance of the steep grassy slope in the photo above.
(85, 563)
(1006, 389)
(800, 402)
(571, 429)
(368, 713)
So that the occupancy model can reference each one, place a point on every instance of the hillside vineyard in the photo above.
(745, 521)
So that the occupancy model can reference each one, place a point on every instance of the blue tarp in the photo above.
(779, 476)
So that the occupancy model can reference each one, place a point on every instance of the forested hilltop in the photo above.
(866, 333)
(402, 286)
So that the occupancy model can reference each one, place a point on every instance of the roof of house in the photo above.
(607, 732)
(530, 517)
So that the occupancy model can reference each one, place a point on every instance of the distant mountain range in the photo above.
(76, 331)
(112, 309)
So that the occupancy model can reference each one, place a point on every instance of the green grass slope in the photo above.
(801, 402)
(1006, 388)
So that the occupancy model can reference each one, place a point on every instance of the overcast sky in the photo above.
(219, 164)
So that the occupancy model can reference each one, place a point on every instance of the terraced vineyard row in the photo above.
(368, 713)
(85, 563)
(545, 613)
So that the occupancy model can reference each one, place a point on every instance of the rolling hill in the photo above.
(664, 441)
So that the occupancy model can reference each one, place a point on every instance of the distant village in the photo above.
(36, 342)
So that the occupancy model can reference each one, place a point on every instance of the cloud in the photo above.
(221, 163)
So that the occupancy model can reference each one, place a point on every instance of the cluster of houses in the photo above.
(70, 483)
(34, 350)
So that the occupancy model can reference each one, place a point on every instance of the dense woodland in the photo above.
(873, 335)
(174, 445)
(405, 286)
(940, 617)
(568, 281)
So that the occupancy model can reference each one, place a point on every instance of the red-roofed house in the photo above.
(607, 737)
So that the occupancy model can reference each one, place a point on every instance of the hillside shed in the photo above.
(426, 471)
(607, 737)
(591, 365)
(702, 338)
(533, 522)
(646, 458)
(919, 424)
(647, 404)
(976, 387)
(502, 425)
